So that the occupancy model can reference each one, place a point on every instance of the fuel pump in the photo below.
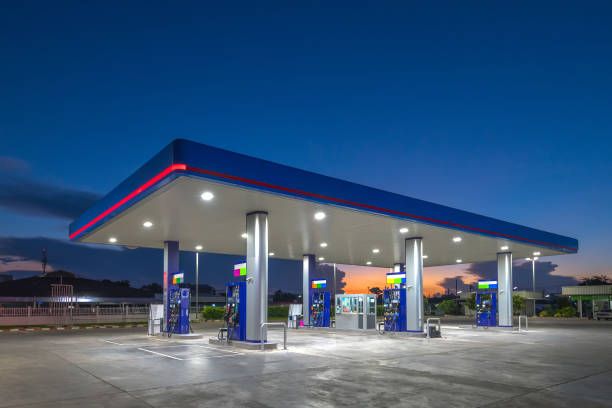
(179, 301)
(319, 304)
(486, 304)
(235, 311)
(394, 302)
(319, 309)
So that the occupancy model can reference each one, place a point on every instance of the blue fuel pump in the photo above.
(179, 300)
(394, 309)
(319, 309)
(486, 309)
(394, 302)
(486, 303)
(235, 310)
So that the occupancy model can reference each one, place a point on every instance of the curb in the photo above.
(30, 329)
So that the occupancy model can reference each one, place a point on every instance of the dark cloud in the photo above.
(21, 193)
(326, 271)
(522, 275)
(450, 282)
(142, 265)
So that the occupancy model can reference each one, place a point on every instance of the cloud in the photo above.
(139, 266)
(20, 193)
(522, 275)
(450, 282)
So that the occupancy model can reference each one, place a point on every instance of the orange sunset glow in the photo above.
(359, 278)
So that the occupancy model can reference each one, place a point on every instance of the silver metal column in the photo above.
(504, 288)
(414, 284)
(171, 266)
(308, 268)
(257, 274)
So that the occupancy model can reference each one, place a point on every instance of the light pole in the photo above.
(535, 258)
(334, 286)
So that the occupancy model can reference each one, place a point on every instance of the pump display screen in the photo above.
(491, 284)
(240, 269)
(396, 278)
(319, 284)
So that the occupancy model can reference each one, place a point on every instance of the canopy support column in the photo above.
(414, 284)
(257, 274)
(171, 266)
(504, 282)
(308, 268)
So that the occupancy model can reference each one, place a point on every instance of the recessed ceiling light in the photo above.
(459, 261)
(536, 254)
(244, 235)
(271, 254)
(321, 258)
(147, 224)
(504, 248)
(319, 215)
(425, 257)
(323, 245)
(198, 247)
(112, 240)
(369, 263)
(375, 250)
(403, 230)
(457, 239)
(207, 196)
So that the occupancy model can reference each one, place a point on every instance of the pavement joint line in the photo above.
(101, 379)
(495, 403)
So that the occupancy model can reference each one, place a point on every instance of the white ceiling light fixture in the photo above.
(207, 196)
(323, 244)
(425, 256)
(457, 239)
(244, 235)
(375, 250)
(403, 230)
(271, 254)
(459, 261)
(321, 258)
(369, 263)
(504, 248)
(319, 215)
(112, 240)
(198, 247)
(536, 253)
(147, 224)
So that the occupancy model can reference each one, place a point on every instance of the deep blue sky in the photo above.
(498, 108)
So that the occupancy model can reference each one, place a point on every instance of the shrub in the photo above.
(278, 311)
(213, 313)
(568, 311)
(544, 313)
(449, 306)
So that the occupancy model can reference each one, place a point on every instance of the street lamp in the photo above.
(535, 258)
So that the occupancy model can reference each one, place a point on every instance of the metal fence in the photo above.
(10, 316)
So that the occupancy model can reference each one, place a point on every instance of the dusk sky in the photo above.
(500, 109)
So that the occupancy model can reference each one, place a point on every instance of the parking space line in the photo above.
(220, 349)
(112, 342)
(160, 354)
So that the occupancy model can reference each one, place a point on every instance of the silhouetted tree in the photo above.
(595, 280)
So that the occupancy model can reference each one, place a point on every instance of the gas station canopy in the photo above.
(199, 196)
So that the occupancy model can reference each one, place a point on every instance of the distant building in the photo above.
(5, 277)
